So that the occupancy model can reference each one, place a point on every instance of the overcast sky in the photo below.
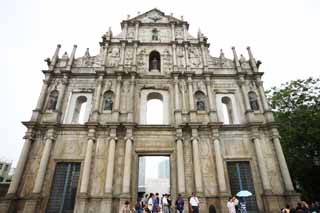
(283, 34)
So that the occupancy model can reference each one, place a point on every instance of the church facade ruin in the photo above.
(90, 126)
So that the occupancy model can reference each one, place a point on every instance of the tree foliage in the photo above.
(296, 106)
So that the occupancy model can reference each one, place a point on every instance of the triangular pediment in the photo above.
(154, 16)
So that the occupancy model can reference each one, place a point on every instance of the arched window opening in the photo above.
(212, 209)
(154, 109)
(253, 100)
(80, 110)
(155, 35)
(200, 101)
(53, 100)
(154, 61)
(108, 101)
(227, 110)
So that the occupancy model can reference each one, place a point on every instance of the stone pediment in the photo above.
(155, 16)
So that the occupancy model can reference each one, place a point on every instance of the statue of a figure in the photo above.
(154, 64)
(200, 105)
(108, 104)
(52, 103)
(253, 101)
(154, 35)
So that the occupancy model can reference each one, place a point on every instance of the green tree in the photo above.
(296, 106)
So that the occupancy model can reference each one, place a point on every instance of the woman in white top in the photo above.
(231, 205)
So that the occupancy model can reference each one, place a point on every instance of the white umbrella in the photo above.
(244, 193)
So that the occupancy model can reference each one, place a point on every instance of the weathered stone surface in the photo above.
(121, 72)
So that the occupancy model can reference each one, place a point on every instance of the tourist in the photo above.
(236, 203)
(194, 203)
(179, 204)
(169, 202)
(243, 207)
(305, 207)
(299, 208)
(150, 202)
(314, 208)
(286, 210)
(165, 204)
(156, 203)
(126, 207)
(145, 202)
(231, 205)
(139, 206)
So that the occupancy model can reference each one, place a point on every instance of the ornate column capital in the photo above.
(129, 138)
(179, 139)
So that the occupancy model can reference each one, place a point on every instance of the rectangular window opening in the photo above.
(64, 188)
(241, 179)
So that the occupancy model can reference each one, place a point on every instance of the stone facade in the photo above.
(209, 120)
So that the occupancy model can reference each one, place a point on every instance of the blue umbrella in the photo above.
(244, 193)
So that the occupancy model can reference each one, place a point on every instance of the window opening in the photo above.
(154, 175)
(64, 188)
(154, 61)
(80, 110)
(241, 179)
(154, 109)
(227, 110)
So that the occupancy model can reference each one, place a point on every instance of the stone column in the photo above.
(283, 165)
(262, 166)
(236, 60)
(44, 162)
(196, 161)
(97, 97)
(135, 46)
(177, 111)
(191, 100)
(131, 100)
(43, 93)
(185, 33)
(220, 166)
(117, 100)
(173, 37)
(62, 92)
(123, 47)
(204, 55)
(174, 55)
(127, 163)
(71, 59)
(267, 110)
(190, 89)
(105, 54)
(186, 55)
(180, 166)
(136, 36)
(55, 57)
(245, 98)
(21, 164)
(87, 163)
(212, 101)
(86, 173)
(262, 95)
(110, 166)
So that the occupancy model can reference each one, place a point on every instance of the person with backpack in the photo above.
(139, 206)
(179, 204)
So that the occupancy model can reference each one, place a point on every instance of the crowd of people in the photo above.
(153, 203)
(303, 207)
